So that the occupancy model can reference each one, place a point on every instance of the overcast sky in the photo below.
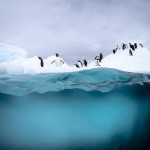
(75, 29)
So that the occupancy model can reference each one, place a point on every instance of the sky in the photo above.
(76, 29)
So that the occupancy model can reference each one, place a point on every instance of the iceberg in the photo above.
(10, 52)
(103, 80)
(64, 107)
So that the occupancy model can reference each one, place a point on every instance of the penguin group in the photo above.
(131, 47)
(98, 59)
(81, 64)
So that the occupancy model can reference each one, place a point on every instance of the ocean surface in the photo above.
(104, 109)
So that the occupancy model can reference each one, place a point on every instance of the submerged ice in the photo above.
(76, 119)
(104, 80)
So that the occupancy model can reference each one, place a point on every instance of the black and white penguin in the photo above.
(130, 52)
(135, 45)
(42, 62)
(126, 46)
(77, 65)
(80, 63)
(123, 46)
(100, 57)
(131, 46)
(117, 48)
(114, 51)
(85, 63)
(58, 61)
(97, 58)
(141, 44)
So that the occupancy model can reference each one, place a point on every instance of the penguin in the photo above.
(130, 52)
(58, 61)
(85, 63)
(114, 51)
(97, 58)
(117, 48)
(131, 46)
(100, 57)
(126, 46)
(135, 45)
(141, 44)
(42, 62)
(123, 46)
(80, 63)
(77, 65)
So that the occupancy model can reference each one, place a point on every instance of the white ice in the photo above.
(138, 63)
(13, 60)
(10, 52)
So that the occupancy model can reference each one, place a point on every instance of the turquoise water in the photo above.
(94, 109)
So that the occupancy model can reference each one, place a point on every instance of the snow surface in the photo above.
(138, 63)
(13, 61)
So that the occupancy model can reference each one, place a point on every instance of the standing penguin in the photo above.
(97, 58)
(123, 46)
(126, 46)
(58, 61)
(80, 63)
(100, 57)
(117, 48)
(85, 63)
(114, 51)
(131, 46)
(42, 63)
(130, 52)
(135, 45)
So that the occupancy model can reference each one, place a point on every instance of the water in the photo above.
(94, 109)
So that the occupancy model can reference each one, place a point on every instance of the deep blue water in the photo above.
(102, 109)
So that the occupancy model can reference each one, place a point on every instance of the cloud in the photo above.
(75, 29)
